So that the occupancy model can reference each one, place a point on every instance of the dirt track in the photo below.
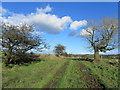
(90, 80)
(57, 76)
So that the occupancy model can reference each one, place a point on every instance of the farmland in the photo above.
(65, 45)
(62, 72)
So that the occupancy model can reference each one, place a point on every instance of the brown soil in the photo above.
(57, 76)
(90, 80)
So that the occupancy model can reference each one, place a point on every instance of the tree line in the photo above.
(17, 40)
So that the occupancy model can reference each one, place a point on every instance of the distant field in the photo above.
(62, 73)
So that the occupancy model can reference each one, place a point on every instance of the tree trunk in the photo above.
(96, 54)
(7, 62)
(9, 54)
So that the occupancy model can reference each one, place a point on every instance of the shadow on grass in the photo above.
(22, 60)
(83, 59)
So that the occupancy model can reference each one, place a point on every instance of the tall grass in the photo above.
(107, 74)
(29, 76)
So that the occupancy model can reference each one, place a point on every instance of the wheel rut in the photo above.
(57, 76)
(90, 80)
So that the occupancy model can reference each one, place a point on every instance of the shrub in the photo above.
(22, 58)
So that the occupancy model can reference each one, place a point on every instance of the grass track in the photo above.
(50, 76)
(57, 76)
(30, 76)
(71, 77)
(61, 73)
(74, 77)
(107, 74)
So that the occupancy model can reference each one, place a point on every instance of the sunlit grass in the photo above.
(29, 76)
(39, 74)
(107, 74)
(71, 78)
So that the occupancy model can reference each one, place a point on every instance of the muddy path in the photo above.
(90, 80)
(57, 76)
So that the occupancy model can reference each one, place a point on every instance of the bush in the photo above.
(17, 40)
(22, 58)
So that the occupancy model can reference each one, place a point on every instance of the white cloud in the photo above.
(86, 32)
(47, 9)
(49, 23)
(44, 21)
(77, 24)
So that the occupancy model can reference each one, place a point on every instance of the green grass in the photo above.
(50, 76)
(107, 74)
(37, 75)
(71, 78)
(30, 76)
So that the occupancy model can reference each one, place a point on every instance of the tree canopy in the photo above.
(59, 49)
(19, 39)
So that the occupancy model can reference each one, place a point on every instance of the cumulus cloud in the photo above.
(49, 23)
(44, 21)
(86, 32)
(47, 9)
(77, 24)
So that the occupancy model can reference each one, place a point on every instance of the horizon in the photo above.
(71, 18)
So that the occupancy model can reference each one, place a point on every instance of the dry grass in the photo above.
(44, 57)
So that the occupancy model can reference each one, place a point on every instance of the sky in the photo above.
(60, 23)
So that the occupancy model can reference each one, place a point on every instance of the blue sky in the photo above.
(70, 12)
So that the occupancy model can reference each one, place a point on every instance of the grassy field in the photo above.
(56, 72)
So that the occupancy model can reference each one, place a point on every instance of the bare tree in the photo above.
(102, 36)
